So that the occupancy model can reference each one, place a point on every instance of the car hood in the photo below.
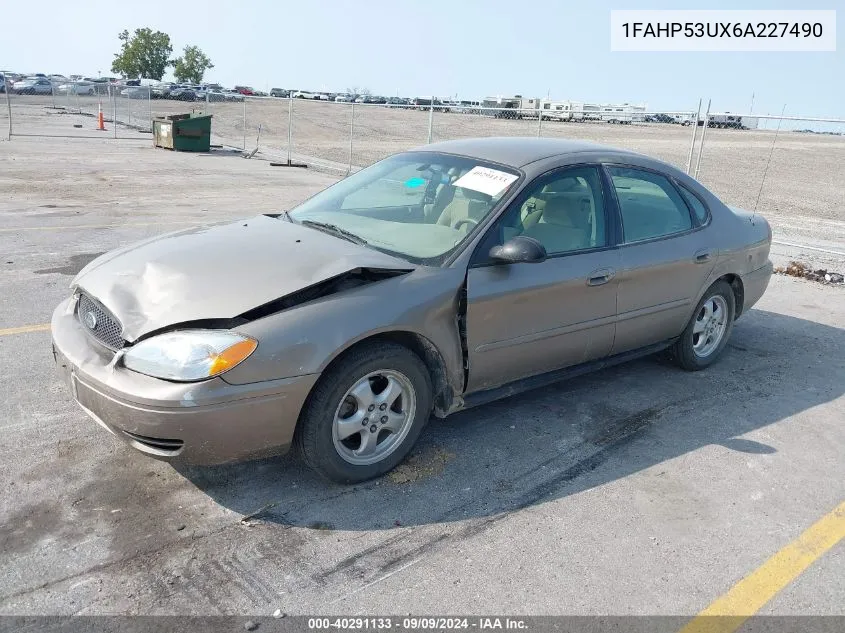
(218, 272)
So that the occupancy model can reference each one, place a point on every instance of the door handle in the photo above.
(702, 256)
(600, 276)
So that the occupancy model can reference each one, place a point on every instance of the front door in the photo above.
(529, 318)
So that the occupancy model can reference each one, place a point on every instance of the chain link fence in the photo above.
(790, 168)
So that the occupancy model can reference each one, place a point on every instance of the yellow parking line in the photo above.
(95, 226)
(24, 329)
(748, 596)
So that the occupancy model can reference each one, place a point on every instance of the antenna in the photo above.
(772, 151)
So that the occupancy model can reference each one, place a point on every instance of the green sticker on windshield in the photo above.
(415, 182)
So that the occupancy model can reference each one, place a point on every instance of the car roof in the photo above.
(516, 151)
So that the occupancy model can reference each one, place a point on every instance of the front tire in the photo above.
(709, 329)
(365, 413)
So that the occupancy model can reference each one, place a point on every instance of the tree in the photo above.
(145, 54)
(191, 67)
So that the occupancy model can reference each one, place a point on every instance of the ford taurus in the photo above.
(432, 281)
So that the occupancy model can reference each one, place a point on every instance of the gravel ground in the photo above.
(803, 197)
(637, 490)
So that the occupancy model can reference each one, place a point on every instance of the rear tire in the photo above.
(365, 413)
(709, 329)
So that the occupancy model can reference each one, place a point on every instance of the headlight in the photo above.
(189, 355)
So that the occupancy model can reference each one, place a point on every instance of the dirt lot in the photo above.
(638, 490)
(802, 196)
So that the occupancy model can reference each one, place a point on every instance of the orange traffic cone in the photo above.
(101, 124)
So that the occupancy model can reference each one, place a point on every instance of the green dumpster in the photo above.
(183, 132)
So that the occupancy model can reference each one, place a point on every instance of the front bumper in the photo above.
(208, 422)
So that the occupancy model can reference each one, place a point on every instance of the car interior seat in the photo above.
(565, 224)
(466, 204)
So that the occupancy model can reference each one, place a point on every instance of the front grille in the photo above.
(158, 443)
(99, 323)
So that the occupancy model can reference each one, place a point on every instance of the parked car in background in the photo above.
(658, 118)
(161, 90)
(278, 92)
(33, 86)
(215, 95)
(81, 87)
(245, 90)
(344, 98)
(182, 93)
(233, 95)
(538, 260)
(101, 84)
(199, 91)
(2, 83)
(302, 94)
(136, 92)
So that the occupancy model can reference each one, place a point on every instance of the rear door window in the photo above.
(651, 207)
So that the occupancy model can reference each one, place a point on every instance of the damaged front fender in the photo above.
(306, 339)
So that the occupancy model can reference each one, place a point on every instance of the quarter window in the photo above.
(695, 204)
(650, 205)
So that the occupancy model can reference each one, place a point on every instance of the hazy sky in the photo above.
(472, 48)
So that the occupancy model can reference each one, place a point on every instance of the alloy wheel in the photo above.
(373, 417)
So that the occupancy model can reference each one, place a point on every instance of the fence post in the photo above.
(9, 107)
(290, 125)
(150, 103)
(430, 118)
(244, 122)
(113, 95)
(539, 121)
(351, 136)
(703, 134)
(53, 93)
(78, 107)
(694, 131)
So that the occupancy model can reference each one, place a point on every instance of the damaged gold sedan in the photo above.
(432, 281)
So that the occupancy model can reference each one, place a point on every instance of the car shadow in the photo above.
(559, 440)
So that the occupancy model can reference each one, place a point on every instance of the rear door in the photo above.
(529, 318)
(666, 257)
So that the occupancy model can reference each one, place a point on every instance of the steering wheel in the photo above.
(463, 221)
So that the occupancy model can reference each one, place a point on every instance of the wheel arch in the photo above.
(443, 393)
(735, 282)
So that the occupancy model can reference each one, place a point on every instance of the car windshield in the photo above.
(417, 205)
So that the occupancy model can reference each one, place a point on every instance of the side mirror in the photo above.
(520, 249)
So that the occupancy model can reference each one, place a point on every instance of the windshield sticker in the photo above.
(486, 180)
(415, 182)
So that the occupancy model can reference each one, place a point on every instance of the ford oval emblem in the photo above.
(91, 320)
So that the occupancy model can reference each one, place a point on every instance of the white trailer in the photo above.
(749, 122)
(622, 113)
(562, 110)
